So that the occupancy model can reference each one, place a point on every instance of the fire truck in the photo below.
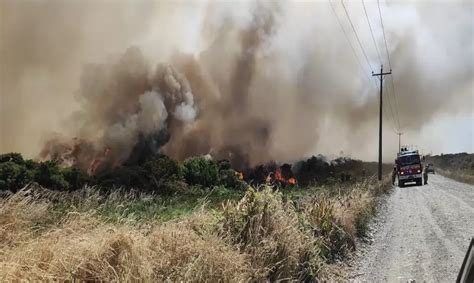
(409, 167)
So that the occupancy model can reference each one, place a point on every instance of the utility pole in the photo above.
(399, 139)
(381, 74)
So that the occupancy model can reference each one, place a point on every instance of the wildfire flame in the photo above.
(97, 161)
(278, 177)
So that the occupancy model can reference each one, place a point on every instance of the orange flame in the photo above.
(96, 161)
(278, 177)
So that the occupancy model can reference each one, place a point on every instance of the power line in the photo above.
(372, 33)
(389, 64)
(363, 50)
(392, 122)
(357, 36)
(347, 38)
(378, 54)
(391, 108)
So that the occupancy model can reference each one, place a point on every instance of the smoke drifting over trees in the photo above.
(248, 82)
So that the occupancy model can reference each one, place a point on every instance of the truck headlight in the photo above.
(419, 171)
(402, 173)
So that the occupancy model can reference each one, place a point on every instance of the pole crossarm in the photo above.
(382, 74)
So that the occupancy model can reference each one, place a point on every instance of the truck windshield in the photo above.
(409, 160)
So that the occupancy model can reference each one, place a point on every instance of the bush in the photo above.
(49, 175)
(123, 176)
(201, 171)
(160, 174)
(164, 174)
(76, 178)
(12, 176)
(229, 179)
(15, 172)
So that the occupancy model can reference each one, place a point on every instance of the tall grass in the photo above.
(464, 176)
(267, 235)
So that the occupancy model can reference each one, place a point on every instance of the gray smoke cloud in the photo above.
(249, 82)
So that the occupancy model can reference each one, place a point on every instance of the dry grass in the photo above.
(269, 230)
(80, 247)
(464, 176)
(263, 237)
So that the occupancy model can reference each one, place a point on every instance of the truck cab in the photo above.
(409, 168)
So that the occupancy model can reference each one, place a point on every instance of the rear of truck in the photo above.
(410, 168)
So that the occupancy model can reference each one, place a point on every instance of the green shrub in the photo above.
(164, 175)
(123, 176)
(201, 171)
(15, 172)
(12, 176)
(76, 178)
(12, 157)
(160, 174)
(229, 179)
(49, 175)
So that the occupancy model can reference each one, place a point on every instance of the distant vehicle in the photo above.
(409, 167)
(429, 168)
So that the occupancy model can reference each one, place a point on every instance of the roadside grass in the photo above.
(464, 176)
(262, 234)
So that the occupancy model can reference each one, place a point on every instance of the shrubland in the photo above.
(166, 221)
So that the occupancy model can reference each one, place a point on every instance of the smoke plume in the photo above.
(248, 82)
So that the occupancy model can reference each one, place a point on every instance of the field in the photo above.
(216, 235)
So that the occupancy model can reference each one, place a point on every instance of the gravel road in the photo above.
(421, 233)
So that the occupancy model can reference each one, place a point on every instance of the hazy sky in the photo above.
(44, 46)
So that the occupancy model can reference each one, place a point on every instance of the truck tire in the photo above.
(419, 182)
(401, 184)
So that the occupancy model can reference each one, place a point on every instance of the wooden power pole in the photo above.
(381, 74)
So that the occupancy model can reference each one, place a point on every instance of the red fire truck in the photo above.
(409, 167)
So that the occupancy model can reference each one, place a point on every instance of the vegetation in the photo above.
(160, 220)
(159, 174)
(458, 166)
(200, 235)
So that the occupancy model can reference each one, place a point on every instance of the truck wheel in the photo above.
(419, 182)
(401, 184)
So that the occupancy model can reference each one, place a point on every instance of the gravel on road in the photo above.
(420, 233)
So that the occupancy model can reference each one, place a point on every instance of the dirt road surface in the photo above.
(421, 233)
